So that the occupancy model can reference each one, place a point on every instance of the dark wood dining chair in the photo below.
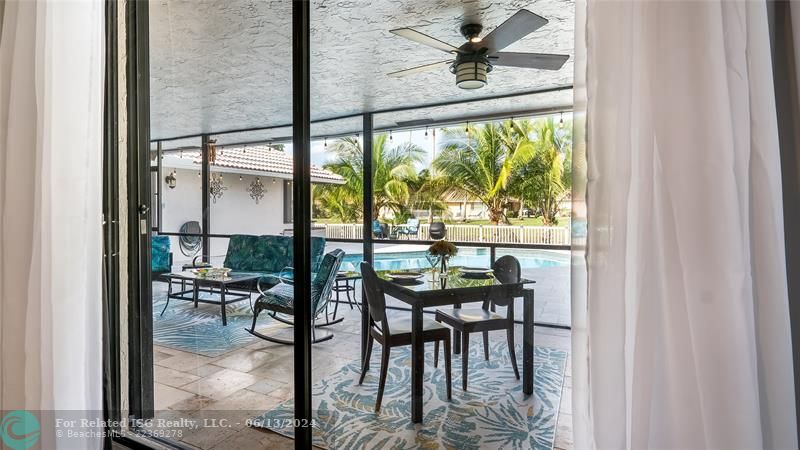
(484, 319)
(397, 334)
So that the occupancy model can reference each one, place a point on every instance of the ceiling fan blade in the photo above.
(418, 69)
(544, 61)
(513, 29)
(424, 39)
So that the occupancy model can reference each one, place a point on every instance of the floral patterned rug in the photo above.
(493, 413)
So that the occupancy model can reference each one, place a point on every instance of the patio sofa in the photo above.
(269, 255)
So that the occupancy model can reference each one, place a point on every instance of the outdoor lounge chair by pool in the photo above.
(279, 299)
(379, 230)
(410, 228)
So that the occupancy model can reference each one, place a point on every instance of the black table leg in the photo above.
(527, 341)
(417, 363)
(169, 295)
(222, 305)
(347, 292)
(195, 293)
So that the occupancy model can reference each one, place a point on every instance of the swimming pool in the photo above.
(470, 257)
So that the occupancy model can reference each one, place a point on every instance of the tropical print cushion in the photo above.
(279, 295)
(267, 254)
(322, 282)
(160, 260)
(282, 294)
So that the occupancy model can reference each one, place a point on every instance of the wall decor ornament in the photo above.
(256, 190)
(216, 187)
(171, 179)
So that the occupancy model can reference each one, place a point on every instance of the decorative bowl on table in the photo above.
(212, 272)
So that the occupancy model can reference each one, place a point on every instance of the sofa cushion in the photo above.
(247, 253)
(160, 261)
(267, 254)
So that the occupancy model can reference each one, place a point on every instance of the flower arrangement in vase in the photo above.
(444, 249)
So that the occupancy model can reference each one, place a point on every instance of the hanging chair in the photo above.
(190, 245)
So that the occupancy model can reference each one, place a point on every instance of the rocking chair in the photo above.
(279, 299)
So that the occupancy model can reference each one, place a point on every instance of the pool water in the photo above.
(468, 257)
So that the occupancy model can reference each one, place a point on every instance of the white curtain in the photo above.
(51, 103)
(681, 328)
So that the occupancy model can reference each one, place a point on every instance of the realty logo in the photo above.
(20, 430)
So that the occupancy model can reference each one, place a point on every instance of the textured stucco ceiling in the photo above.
(222, 65)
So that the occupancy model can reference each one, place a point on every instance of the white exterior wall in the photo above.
(233, 213)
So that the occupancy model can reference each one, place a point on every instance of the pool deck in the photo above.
(552, 283)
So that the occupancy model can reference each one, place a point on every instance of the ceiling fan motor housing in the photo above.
(471, 70)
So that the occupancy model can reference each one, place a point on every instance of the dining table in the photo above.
(452, 290)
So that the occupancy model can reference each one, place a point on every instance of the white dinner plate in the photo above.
(405, 275)
(475, 270)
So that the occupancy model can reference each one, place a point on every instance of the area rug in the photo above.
(493, 413)
(199, 330)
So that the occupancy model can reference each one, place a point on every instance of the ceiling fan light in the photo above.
(475, 39)
(471, 74)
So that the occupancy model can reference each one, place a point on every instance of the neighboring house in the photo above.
(254, 195)
(462, 207)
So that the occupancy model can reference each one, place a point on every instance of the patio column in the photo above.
(368, 201)
(301, 146)
(206, 218)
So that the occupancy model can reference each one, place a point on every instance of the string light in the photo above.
(390, 135)
(561, 121)
(467, 129)
(199, 175)
(326, 142)
(240, 178)
(426, 132)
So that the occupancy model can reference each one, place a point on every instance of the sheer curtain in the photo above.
(681, 322)
(51, 103)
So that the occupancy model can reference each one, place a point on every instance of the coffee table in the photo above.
(214, 285)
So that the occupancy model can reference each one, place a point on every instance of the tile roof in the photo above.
(261, 158)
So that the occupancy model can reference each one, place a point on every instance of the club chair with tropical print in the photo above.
(279, 299)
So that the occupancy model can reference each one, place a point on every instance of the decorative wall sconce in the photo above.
(171, 180)
(216, 187)
(256, 190)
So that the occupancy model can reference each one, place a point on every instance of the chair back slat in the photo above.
(322, 284)
(376, 300)
(506, 270)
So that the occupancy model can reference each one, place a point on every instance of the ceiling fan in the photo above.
(476, 57)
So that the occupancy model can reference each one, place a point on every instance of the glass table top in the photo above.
(232, 277)
(455, 280)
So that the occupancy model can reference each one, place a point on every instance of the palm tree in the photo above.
(428, 191)
(546, 179)
(393, 169)
(479, 161)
